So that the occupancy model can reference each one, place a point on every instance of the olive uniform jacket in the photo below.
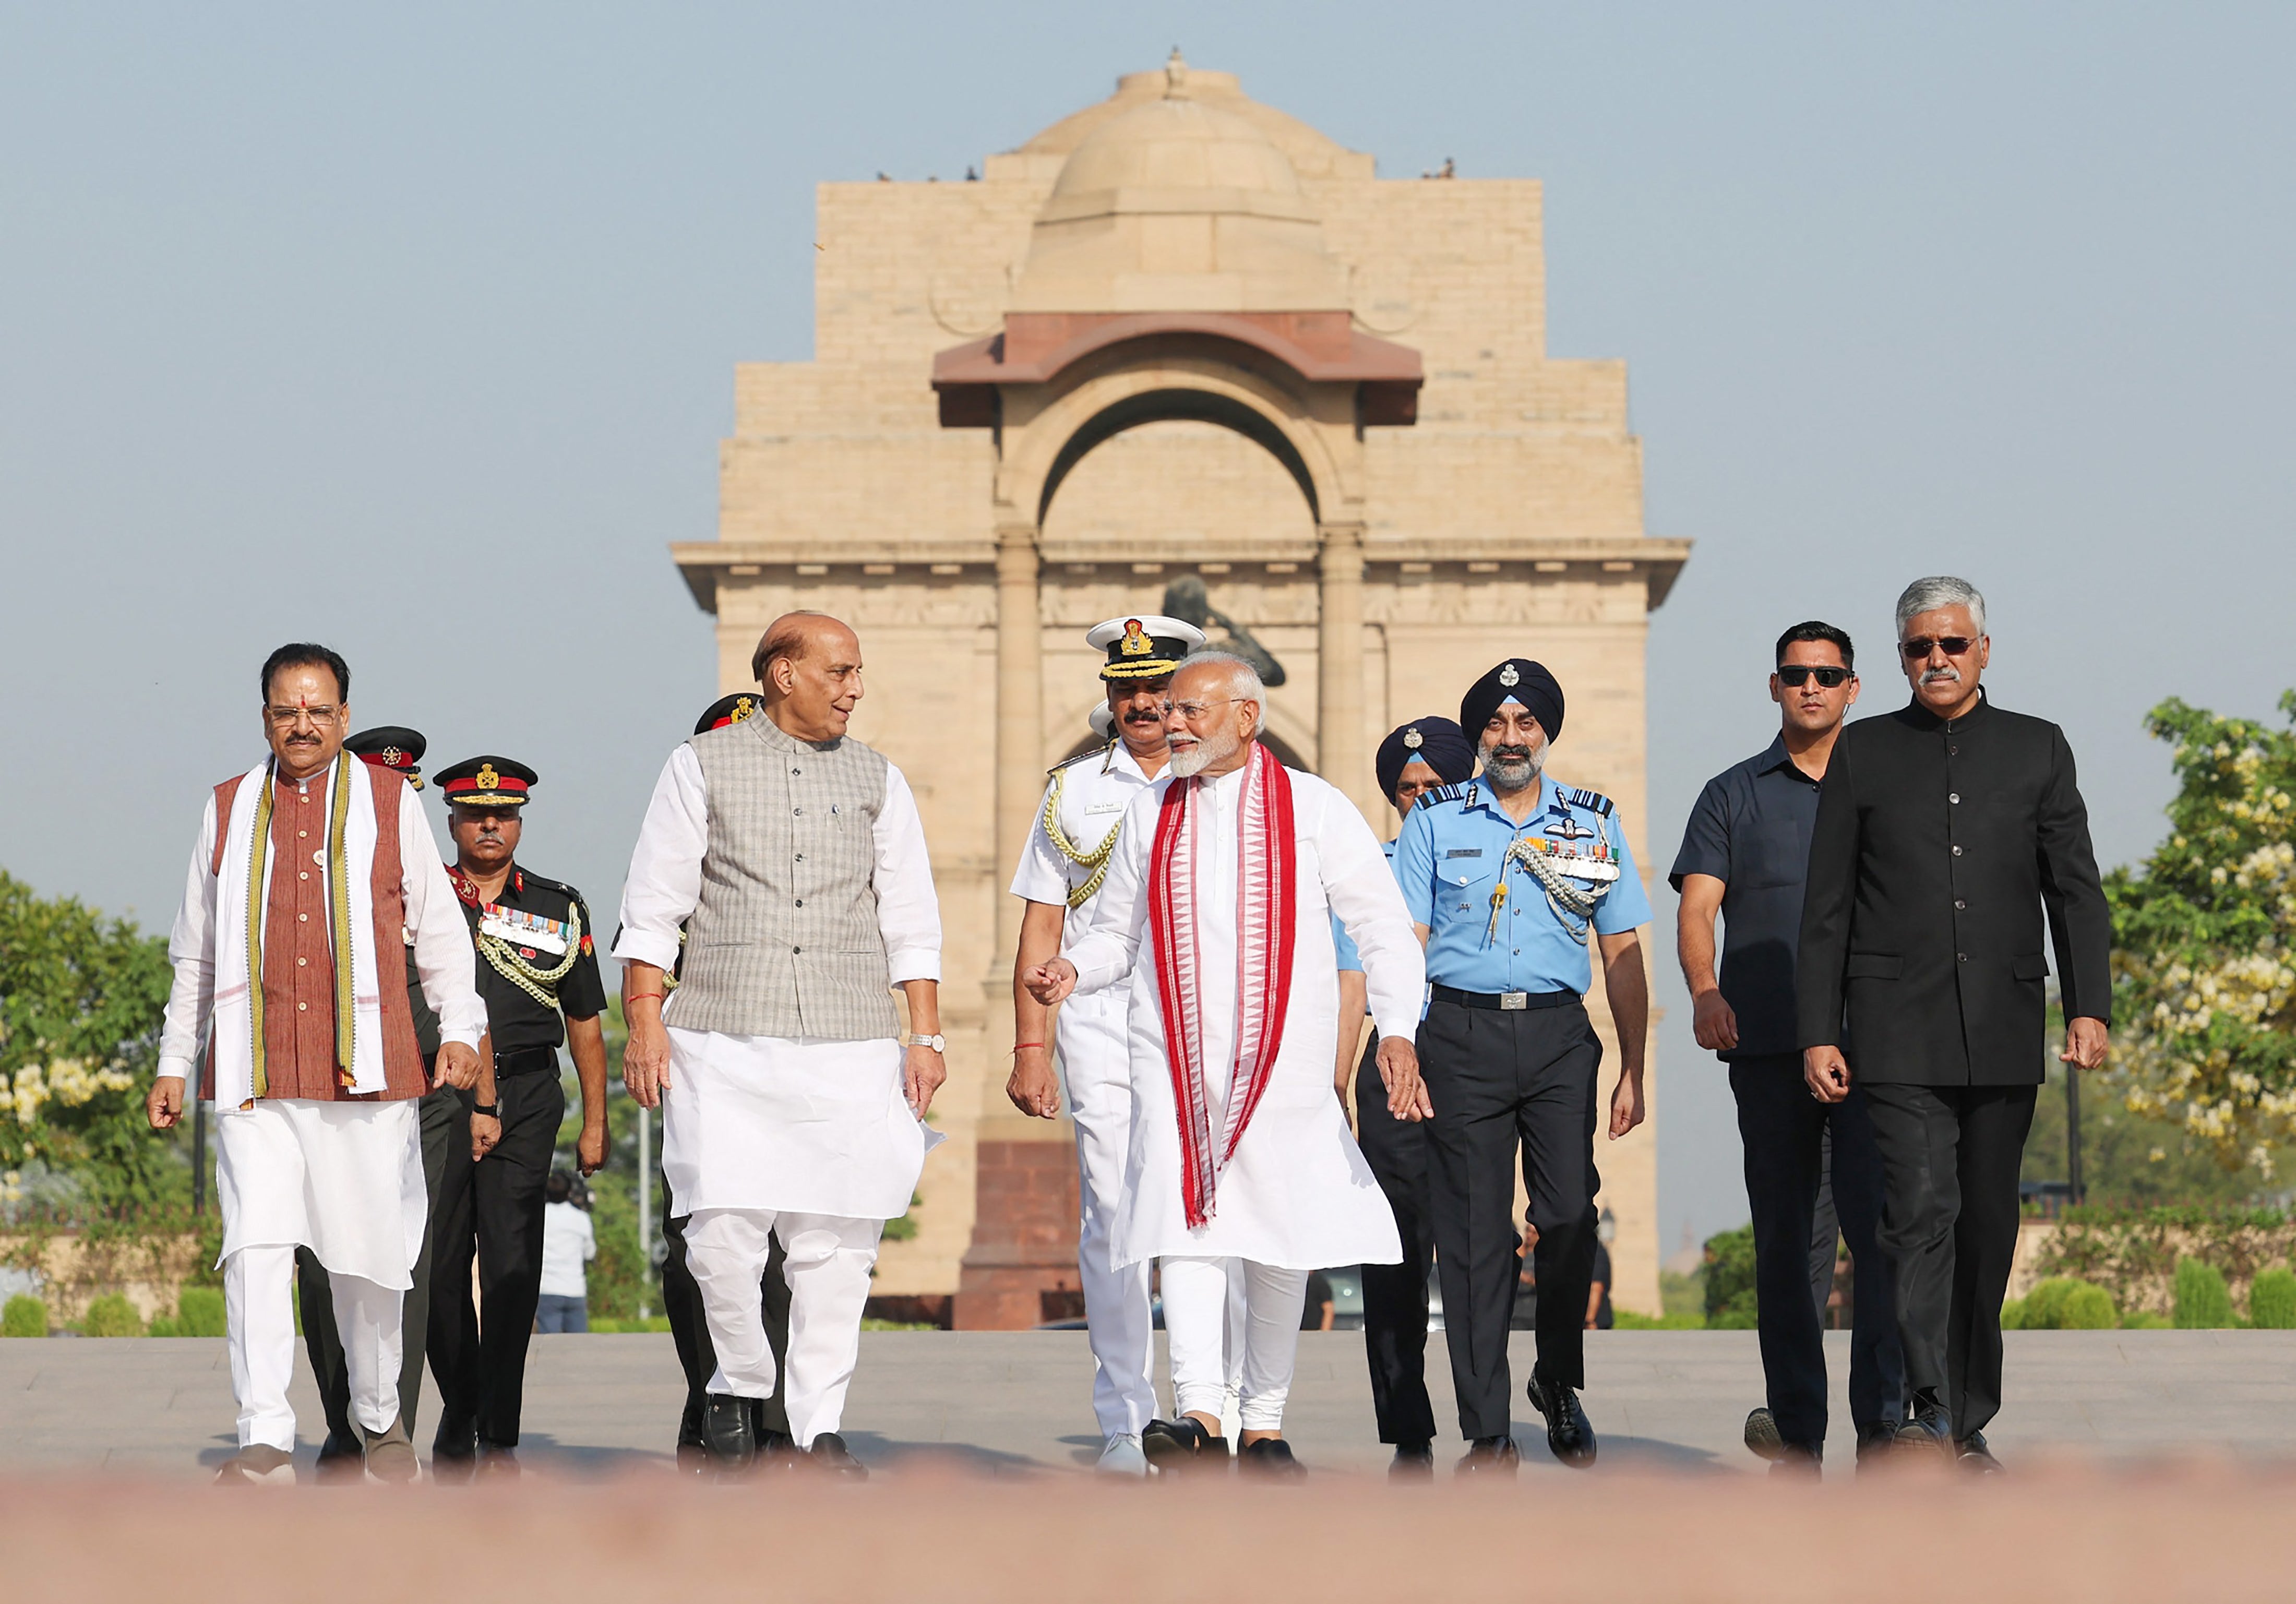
(1937, 847)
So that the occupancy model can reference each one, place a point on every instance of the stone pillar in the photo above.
(1024, 1227)
(1341, 754)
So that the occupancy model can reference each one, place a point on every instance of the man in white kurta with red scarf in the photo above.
(1222, 892)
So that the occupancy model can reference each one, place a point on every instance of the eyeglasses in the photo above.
(1193, 710)
(1801, 673)
(286, 718)
(1920, 646)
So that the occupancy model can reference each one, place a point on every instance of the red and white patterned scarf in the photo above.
(1267, 864)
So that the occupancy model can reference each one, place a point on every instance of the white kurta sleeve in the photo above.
(1111, 945)
(1042, 875)
(191, 948)
(444, 958)
(664, 879)
(1361, 889)
(908, 908)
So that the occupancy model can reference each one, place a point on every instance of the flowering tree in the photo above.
(2204, 968)
(80, 1004)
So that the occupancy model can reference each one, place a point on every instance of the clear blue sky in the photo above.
(412, 328)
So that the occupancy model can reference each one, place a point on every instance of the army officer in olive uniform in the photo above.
(535, 965)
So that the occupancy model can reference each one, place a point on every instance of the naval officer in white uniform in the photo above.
(1078, 823)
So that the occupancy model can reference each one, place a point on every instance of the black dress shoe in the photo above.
(692, 1452)
(497, 1464)
(1972, 1454)
(1797, 1459)
(778, 1450)
(1489, 1456)
(1570, 1435)
(1875, 1439)
(455, 1452)
(726, 1430)
(1269, 1459)
(342, 1458)
(1181, 1444)
(1412, 1461)
(830, 1454)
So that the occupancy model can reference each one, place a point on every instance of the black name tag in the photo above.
(1465, 852)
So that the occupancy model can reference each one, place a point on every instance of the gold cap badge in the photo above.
(1136, 642)
(486, 779)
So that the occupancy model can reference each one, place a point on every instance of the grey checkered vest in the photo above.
(784, 940)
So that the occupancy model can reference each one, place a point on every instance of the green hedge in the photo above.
(2202, 1301)
(2062, 1303)
(111, 1315)
(24, 1316)
(2272, 1300)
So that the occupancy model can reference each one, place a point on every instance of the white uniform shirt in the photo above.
(443, 955)
(665, 882)
(1095, 791)
(567, 1243)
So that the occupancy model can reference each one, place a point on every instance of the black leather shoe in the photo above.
(1181, 1444)
(726, 1430)
(830, 1454)
(1875, 1439)
(1270, 1459)
(1929, 1431)
(1762, 1439)
(342, 1458)
(778, 1450)
(692, 1452)
(497, 1464)
(455, 1452)
(1972, 1454)
(1489, 1456)
(1795, 1459)
(1412, 1461)
(1570, 1435)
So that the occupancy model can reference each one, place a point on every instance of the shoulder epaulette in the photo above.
(1464, 791)
(1594, 802)
(1098, 751)
(548, 884)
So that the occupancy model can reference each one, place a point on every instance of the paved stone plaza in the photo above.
(1005, 1404)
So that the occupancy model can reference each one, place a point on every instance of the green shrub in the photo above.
(2144, 1319)
(199, 1312)
(1629, 1321)
(2203, 1303)
(111, 1315)
(2272, 1300)
(24, 1316)
(2065, 1303)
(1730, 1302)
(2012, 1314)
(165, 1325)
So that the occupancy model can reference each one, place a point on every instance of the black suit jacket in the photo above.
(1935, 848)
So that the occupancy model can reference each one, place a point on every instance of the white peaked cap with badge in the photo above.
(1143, 645)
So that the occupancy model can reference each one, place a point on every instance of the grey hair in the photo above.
(1244, 681)
(1940, 590)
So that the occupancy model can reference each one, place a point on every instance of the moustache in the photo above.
(1510, 754)
(1949, 675)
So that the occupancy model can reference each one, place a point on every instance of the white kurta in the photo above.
(343, 1179)
(794, 1124)
(1296, 1193)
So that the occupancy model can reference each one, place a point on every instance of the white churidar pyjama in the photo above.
(829, 1260)
(1096, 1064)
(259, 1286)
(1196, 1305)
(345, 1180)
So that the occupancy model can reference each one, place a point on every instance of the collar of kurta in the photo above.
(1923, 719)
(781, 741)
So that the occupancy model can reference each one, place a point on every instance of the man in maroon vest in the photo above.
(310, 872)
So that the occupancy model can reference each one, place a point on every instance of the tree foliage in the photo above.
(81, 1001)
(2204, 969)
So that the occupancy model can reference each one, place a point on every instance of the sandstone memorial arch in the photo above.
(1178, 332)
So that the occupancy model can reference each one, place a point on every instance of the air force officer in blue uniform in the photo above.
(1512, 878)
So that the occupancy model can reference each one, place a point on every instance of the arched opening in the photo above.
(1177, 405)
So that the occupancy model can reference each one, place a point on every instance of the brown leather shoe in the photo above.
(389, 1454)
(258, 1464)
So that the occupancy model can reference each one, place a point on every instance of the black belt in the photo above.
(525, 1060)
(1508, 1002)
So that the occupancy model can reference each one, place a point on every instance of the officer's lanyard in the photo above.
(1506, 862)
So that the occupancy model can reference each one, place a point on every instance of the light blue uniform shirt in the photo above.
(1342, 942)
(1449, 860)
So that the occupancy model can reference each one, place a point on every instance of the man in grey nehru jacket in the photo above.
(793, 1104)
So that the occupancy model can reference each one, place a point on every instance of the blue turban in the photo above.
(1436, 741)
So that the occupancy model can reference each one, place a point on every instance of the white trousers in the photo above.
(1095, 1070)
(259, 1325)
(829, 1260)
(1196, 1322)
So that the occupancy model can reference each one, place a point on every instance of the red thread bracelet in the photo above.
(1017, 1046)
(641, 997)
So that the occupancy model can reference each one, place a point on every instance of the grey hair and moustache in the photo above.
(1940, 590)
(1244, 681)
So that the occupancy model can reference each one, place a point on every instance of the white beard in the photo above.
(1203, 754)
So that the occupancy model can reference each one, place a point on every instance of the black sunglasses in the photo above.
(1801, 673)
(1918, 647)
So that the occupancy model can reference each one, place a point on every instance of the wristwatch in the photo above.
(938, 1043)
(491, 1110)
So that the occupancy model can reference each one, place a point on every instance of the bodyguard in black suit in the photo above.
(1943, 831)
